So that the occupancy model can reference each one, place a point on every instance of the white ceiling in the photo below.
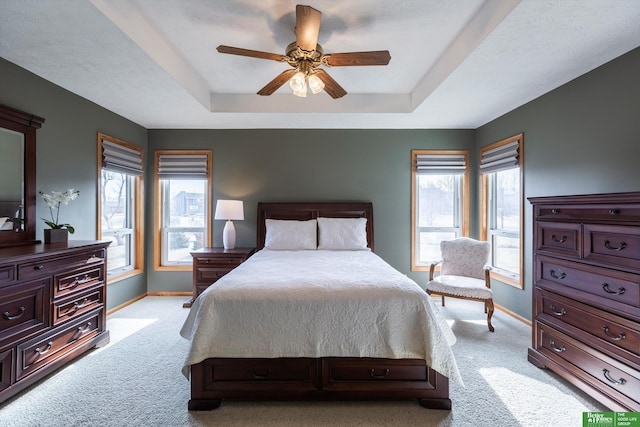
(454, 63)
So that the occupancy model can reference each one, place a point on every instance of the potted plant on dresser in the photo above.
(58, 232)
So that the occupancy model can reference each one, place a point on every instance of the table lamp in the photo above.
(229, 210)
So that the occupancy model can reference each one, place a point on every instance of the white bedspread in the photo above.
(318, 304)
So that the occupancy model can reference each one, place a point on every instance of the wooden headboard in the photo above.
(310, 210)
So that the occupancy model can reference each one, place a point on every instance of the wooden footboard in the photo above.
(327, 378)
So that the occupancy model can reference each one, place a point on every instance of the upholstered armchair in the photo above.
(464, 273)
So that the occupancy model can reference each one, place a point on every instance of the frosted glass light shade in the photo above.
(315, 84)
(297, 82)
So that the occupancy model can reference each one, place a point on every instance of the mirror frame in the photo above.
(27, 124)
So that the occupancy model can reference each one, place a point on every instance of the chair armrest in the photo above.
(432, 268)
(487, 276)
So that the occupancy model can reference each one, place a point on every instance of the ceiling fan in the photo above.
(306, 56)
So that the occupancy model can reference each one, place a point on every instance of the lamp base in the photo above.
(229, 235)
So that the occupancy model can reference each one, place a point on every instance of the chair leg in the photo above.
(489, 309)
(442, 296)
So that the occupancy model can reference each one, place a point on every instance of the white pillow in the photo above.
(344, 234)
(291, 235)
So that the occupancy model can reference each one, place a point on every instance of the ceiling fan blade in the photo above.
(330, 86)
(376, 57)
(251, 53)
(307, 27)
(275, 84)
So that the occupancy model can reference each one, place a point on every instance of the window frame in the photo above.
(505, 276)
(464, 198)
(137, 238)
(159, 235)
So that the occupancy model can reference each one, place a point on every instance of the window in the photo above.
(502, 207)
(440, 202)
(183, 219)
(120, 205)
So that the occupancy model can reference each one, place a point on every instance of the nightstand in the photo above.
(210, 264)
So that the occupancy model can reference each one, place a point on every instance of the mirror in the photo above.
(17, 186)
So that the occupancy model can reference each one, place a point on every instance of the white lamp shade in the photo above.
(229, 209)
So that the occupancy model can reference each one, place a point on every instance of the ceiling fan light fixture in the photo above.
(297, 82)
(306, 56)
(301, 93)
(315, 84)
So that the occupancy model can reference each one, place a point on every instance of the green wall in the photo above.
(311, 165)
(581, 138)
(67, 154)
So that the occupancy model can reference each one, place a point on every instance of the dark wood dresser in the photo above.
(52, 308)
(210, 264)
(586, 300)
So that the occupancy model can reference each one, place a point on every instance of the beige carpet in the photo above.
(136, 381)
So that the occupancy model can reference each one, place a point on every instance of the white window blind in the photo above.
(440, 164)
(500, 158)
(182, 166)
(118, 158)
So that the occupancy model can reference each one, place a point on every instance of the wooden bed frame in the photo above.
(326, 378)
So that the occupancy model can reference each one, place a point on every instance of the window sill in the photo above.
(124, 275)
(507, 277)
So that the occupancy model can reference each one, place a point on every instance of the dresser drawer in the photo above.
(261, 374)
(68, 308)
(207, 275)
(610, 212)
(34, 354)
(24, 310)
(7, 274)
(372, 373)
(559, 238)
(6, 369)
(612, 334)
(602, 372)
(608, 285)
(76, 280)
(285, 369)
(53, 265)
(614, 245)
(229, 262)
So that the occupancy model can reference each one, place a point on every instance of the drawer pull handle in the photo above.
(560, 276)
(605, 287)
(46, 350)
(83, 329)
(560, 240)
(614, 211)
(79, 281)
(612, 380)
(78, 305)
(38, 267)
(8, 316)
(618, 337)
(384, 373)
(258, 376)
(555, 348)
(557, 312)
(620, 247)
(555, 211)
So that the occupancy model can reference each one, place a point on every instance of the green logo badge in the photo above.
(611, 419)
